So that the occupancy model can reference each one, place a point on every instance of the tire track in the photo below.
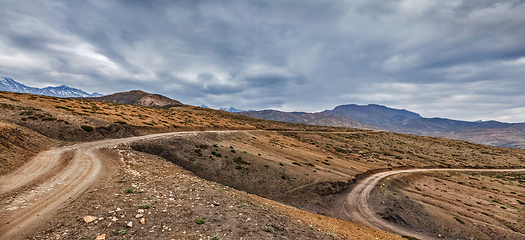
(67, 183)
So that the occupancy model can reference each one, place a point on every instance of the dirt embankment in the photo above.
(454, 205)
(303, 185)
(17, 145)
(144, 197)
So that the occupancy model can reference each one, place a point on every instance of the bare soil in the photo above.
(177, 198)
(454, 205)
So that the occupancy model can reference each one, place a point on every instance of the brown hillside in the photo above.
(137, 97)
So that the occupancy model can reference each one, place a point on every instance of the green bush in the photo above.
(145, 205)
(129, 190)
(87, 128)
(122, 232)
(268, 229)
(199, 221)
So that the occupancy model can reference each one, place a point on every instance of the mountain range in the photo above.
(372, 116)
(10, 85)
(375, 116)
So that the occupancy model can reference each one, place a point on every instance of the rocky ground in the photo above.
(146, 197)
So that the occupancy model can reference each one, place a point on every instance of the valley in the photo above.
(242, 176)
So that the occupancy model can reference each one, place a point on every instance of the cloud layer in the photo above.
(462, 59)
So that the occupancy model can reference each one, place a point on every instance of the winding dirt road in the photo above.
(356, 207)
(58, 176)
(52, 179)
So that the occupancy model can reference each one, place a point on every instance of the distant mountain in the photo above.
(319, 119)
(137, 97)
(231, 109)
(10, 85)
(373, 115)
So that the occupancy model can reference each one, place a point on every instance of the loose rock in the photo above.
(89, 219)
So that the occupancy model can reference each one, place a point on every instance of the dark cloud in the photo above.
(458, 59)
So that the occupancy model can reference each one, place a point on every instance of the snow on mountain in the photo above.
(231, 109)
(10, 85)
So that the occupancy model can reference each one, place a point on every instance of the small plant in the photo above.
(218, 155)
(331, 234)
(121, 181)
(242, 205)
(216, 237)
(215, 145)
(311, 227)
(87, 128)
(239, 160)
(129, 190)
(122, 232)
(145, 205)
(268, 229)
(281, 164)
(283, 177)
(233, 151)
(199, 221)
(296, 163)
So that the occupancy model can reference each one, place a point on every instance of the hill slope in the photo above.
(137, 97)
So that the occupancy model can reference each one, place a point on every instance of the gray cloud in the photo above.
(458, 59)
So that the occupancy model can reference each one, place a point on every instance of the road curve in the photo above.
(61, 182)
(356, 209)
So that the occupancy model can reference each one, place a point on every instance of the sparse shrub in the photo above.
(283, 177)
(331, 234)
(239, 160)
(296, 163)
(243, 205)
(233, 151)
(122, 232)
(199, 221)
(521, 202)
(218, 155)
(269, 229)
(145, 205)
(129, 190)
(216, 237)
(281, 164)
(215, 145)
(213, 153)
(87, 128)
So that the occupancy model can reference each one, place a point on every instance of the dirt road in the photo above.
(356, 209)
(51, 179)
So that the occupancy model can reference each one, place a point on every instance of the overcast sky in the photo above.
(444, 58)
